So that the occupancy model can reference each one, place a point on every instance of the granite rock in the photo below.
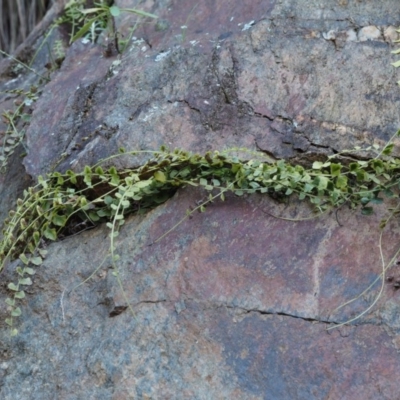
(236, 302)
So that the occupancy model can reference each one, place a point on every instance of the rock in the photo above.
(351, 35)
(235, 302)
(369, 33)
(390, 34)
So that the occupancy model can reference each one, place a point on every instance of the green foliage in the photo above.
(13, 136)
(91, 21)
(396, 64)
(96, 195)
(81, 21)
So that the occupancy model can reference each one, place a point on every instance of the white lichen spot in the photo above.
(232, 18)
(194, 42)
(162, 55)
(206, 102)
(331, 35)
(85, 40)
(144, 48)
(248, 25)
(351, 35)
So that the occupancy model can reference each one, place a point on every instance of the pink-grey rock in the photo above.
(235, 302)
(369, 33)
(391, 34)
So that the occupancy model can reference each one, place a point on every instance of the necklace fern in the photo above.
(62, 201)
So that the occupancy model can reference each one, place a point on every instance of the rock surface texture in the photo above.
(234, 303)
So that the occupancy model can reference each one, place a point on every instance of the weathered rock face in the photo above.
(233, 303)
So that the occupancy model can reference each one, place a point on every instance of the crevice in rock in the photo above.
(150, 302)
(259, 115)
(184, 101)
(283, 314)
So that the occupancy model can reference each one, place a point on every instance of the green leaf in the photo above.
(114, 11)
(16, 312)
(143, 184)
(108, 200)
(42, 182)
(396, 64)
(24, 259)
(341, 182)
(93, 216)
(36, 237)
(35, 261)
(42, 253)
(103, 213)
(59, 220)
(9, 321)
(20, 294)
(361, 175)
(308, 187)
(72, 176)
(159, 176)
(317, 165)
(10, 302)
(13, 287)
(50, 233)
(125, 203)
(322, 182)
(353, 167)
(388, 148)
(85, 28)
(99, 171)
(25, 281)
(335, 169)
(367, 211)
